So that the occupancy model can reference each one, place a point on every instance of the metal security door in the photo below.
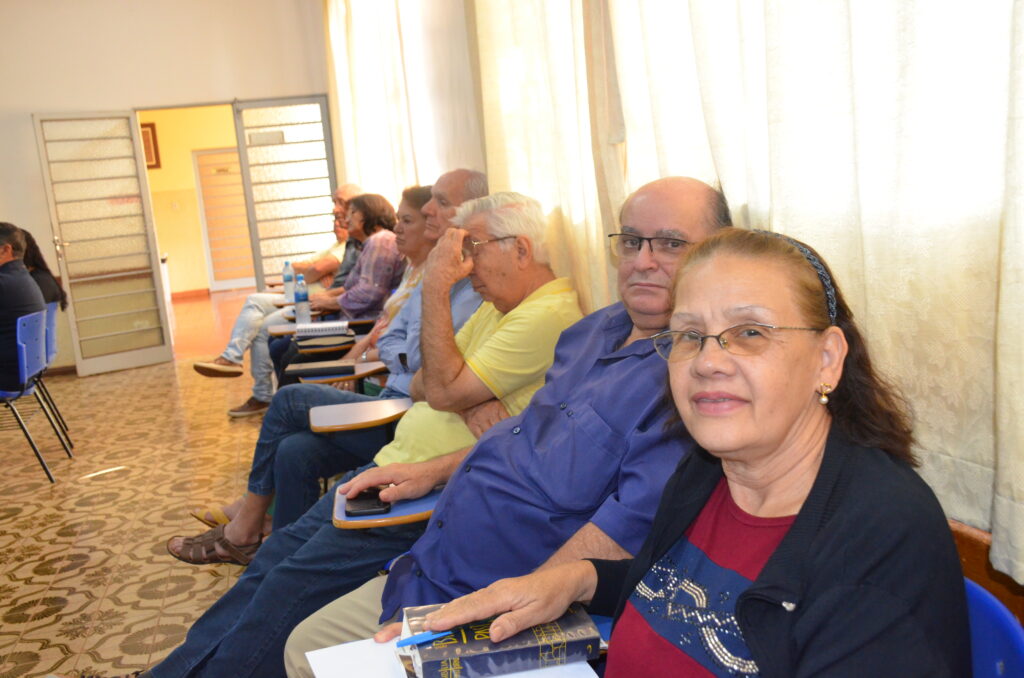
(106, 247)
(288, 175)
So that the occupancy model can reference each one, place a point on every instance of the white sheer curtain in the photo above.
(878, 133)
(537, 128)
(404, 107)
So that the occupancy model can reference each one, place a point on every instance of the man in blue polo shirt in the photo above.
(19, 295)
(578, 473)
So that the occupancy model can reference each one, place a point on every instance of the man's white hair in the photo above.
(509, 214)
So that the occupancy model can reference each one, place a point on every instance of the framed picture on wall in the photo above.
(149, 145)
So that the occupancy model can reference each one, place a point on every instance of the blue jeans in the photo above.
(280, 348)
(290, 460)
(261, 367)
(297, 571)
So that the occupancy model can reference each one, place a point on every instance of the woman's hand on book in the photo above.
(521, 602)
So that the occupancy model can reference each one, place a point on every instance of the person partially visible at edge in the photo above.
(289, 459)
(258, 307)
(578, 473)
(41, 273)
(498, 359)
(19, 296)
(799, 541)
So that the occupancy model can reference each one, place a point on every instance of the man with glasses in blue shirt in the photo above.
(577, 474)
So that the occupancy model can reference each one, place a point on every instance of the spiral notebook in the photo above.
(321, 329)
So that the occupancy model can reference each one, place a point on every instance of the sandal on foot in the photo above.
(211, 517)
(202, 550)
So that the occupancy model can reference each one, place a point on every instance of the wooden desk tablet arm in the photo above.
(362, 370)
(356, 416)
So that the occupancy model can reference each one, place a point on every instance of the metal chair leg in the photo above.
(48, 399)
(57, 430)
(28, 437)
(53, 406)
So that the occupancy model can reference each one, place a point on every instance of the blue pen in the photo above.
(421, 638)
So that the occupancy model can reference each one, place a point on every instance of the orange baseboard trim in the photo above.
(189, 294)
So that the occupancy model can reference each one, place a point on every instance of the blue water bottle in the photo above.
(302, 314)
(288, 276)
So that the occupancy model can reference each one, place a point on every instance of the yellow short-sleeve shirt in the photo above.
(509, 352)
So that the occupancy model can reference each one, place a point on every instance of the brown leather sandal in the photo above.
(202, 550)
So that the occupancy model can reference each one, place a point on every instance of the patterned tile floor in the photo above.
(86, 586)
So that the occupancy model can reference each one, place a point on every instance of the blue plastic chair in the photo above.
(51, 332)
(997, 639)
(31, 349)
(51, 353)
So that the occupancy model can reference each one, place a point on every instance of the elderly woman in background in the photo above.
(371, 220)
(799, 541)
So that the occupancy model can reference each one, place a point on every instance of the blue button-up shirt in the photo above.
(403, 333)
(595, 444)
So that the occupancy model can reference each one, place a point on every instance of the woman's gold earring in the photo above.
(823, 393)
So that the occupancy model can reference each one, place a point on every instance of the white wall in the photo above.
(101, 55)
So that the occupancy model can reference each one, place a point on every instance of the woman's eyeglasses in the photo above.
(745, 339)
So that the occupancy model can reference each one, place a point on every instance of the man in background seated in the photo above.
(289, 458)
(328, 266)
(578, 474)
(501, 354)
(19, 295)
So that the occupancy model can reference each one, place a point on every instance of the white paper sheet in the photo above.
(369, 658)
(358, 658)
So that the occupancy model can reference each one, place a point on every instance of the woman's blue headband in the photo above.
(826, 279)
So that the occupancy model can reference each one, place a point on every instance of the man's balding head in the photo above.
(449, 191)
(341, 197)
(674, 207)
(691, 199)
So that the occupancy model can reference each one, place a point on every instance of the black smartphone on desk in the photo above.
(367, 503)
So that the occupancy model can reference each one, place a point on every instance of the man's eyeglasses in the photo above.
(469, 245)
(628, 246)
(746, 339)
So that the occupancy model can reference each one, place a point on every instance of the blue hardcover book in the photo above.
(469, 653)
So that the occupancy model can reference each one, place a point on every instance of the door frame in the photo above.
(215, 285)
(243, 156)
(127, 359)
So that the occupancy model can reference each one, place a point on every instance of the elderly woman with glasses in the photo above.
(798, 541)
